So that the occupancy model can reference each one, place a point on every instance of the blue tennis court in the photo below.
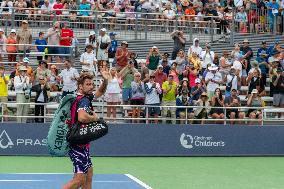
(55, 180)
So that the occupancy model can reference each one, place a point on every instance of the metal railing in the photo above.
(267, 114)
(140, 26)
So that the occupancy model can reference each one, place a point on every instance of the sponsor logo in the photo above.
(7, 142)
(188, 141)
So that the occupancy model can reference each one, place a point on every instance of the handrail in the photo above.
(261, 121)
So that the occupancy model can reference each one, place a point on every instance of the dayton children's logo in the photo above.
(5, 140)
(189, 141)
(186, 141)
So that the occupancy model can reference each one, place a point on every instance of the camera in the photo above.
(27, 93)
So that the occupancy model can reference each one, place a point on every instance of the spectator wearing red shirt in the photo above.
(122, 55)
(66, 40)
(57, 7)
(160, 77)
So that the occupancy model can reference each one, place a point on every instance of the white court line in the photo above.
(23, 180)
(99, 181)
(138, 181)
(38, 173)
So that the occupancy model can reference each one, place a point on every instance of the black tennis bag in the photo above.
(84, 133)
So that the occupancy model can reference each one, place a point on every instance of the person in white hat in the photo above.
(22, 85)
(92, 40)
(255, 100)
(198, 89)
(122, 56)
(24, 36)
(213, 80)
(11, 48)
(154, 57)
(103, 44)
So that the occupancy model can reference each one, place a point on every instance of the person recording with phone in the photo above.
(22, 85)
(53, 39)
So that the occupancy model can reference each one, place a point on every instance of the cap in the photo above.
(13, 31)
(246, 41)
(154, 47)
(1, 30)
(213, 67)
(197, 80)
(103, 29)
(124, 42)
(277, 42)
(26, 60)
(166, 54)
(112, 33)
(25, 22)
(184, 79)
(92, 33)
(160, 66)
(23, 68)
(279, 69)
(254, 91)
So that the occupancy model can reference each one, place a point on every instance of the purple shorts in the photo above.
(80, 156)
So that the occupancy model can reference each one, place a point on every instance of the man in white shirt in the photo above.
(103, 44)
(213, 80)
(88, 60)
(69, 78)
(22, 85)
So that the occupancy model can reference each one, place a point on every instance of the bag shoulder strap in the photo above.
(74, 109)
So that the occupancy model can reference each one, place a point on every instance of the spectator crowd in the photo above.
(194, 83)
(253, 16)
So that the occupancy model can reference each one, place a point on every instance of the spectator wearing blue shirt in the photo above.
(263, 48)
(273, 12)
(40, 45)
(113, 45)
(263, 64)
(84, 8)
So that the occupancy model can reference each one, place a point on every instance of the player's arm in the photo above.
(102, 89)
(85, 117)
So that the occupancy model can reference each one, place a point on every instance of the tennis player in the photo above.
(79, 154)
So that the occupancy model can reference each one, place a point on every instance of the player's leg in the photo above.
(89, 178)
(78, 180)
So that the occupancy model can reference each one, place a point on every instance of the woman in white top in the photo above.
(88, 60)
(207, 56)
(22, 88)
(92, 40)
(112, 95)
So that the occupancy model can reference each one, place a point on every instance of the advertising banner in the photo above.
(155, 140)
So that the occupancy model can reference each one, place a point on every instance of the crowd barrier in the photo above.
(266, 115)
(155, 140)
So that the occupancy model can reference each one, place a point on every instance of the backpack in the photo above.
(56, 138)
